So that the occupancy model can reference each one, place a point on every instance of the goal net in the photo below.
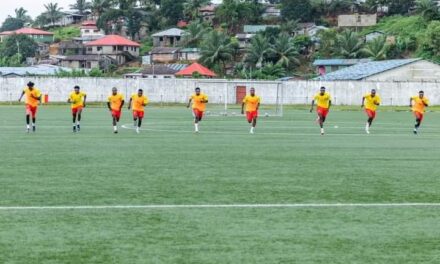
(225, 97)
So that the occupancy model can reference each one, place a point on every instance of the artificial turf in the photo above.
(285, 162)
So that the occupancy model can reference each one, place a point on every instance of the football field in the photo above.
(283, 195)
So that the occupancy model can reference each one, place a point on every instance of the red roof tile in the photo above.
(27, 31)
(113, 40)
(195, 67)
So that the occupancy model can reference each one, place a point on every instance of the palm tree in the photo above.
(428, 9)
(191, 8)
(258, 52)
(98, 7)
(217, 49)
(53, 12)
(272, 71)
(290, 27)
(348, 44)
(21, 13)
(284, 52)
(194, 34)
(81, 6)
(377, 49)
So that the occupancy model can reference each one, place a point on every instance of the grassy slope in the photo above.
(286, 162)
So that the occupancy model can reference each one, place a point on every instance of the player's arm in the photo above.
(425, 102)
(258, 106)
(410, 101)
(329, 103)
(69, 100)
(313, 103)
(363, 101)
(122, 104)
(242, 107)
(204, 100)
(21, 96)
(108, 105)
(129, 103)
(189, 103)
(84, 102)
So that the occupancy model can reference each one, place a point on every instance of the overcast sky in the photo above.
(34, 7)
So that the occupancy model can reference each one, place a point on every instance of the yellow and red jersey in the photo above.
(198, 101)
(77, 99)
(251, 102)
(138, 102)
(31, 96)
(116, 101)
(371, 102)
(419, 104)
(323, 100)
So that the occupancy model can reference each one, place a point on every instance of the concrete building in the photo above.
(357, 20)
(189, 54)
(244, 40)
(405, 70)
(325, 66)
(208, 12)
(89, 32)
(69, 18)
(168, 38)
(271, 11)
(164, 55)
(116, 47)
(160, 71)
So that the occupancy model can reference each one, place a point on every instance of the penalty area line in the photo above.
(220, 206)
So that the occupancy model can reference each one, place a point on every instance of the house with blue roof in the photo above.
(324, 66)
(405, 70)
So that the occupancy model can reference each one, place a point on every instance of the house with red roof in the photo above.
(38, 35)
(116, 47)
(196, 68)
(89, 32)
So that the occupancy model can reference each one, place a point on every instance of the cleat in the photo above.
(78, 128)
(74, 129)
(34, 129)
(137, 130)
(415, 131)
(115, 132)
(322, 131)
(27, 130)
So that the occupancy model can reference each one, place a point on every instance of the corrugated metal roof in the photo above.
(256, 28)
(339, 62)
(32, 70)
(363, 70)
(169, 32)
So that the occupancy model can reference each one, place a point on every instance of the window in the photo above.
(114, 48)
(87, 31)
(90, 49)
(358, 19)
(99, 48)
(160, 39)
(120, 48)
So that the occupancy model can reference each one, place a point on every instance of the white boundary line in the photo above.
(219, 206)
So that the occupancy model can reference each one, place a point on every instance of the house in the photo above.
(357, 20)
(37, 70)
(254, 29)
(38, 35)
(116, 47)
(189, 54)
(196, 68)
(89, 32)
(208, 12)
(309, 29)
(271, 11)
(160, 71)
(405, 70)
(164, 55)
(325, 66)
(182, 24)
(67, 48)
(86, 61)
(168, 38)
(244, 40)
(69, 18)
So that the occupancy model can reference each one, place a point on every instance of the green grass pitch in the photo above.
(285, 162)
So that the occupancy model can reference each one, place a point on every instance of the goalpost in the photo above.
(225, 97)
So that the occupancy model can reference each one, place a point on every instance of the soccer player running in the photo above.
(252, 103)
(199, 101)
(115, 103)
(324, 101)
(77, 99)
(138, 102)
(370, 102)
(418, 104)
(33, 98)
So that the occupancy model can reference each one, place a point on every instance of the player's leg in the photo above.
(78, 119)
(140, 116)
(74, 112)
(197, 118)
(135, 118)
(370, 115)
(34, 118)
(419, 118)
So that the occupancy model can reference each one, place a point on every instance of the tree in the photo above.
(21, 13)
(327, 43)
(401, 7)
(99, 6)
(284, 52)
(81, 6)
(235, 13)
(12, 23)
(191, 8)
(377, 49)
(271, 71)
(134, 23)
(18, 44)
(296, 9)
(194, 34)
(348, 44)
(53, 12)
(428, 9)
(217, 49)
(430, 47)
(172, 10)
(258, 52)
